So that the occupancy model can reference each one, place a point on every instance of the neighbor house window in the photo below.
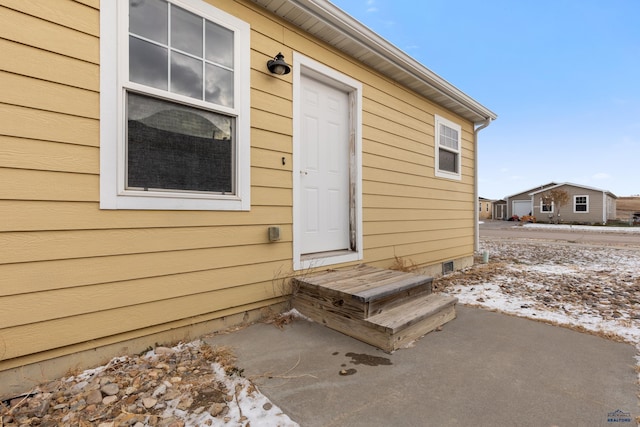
(581, 204)
(448, 149)
(175, 134)
(546, 207)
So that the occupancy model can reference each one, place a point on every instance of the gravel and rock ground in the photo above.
(187, 385)
(590, 288)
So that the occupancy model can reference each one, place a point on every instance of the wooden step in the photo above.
(363, 291)
(410, 321)
(390, 330)
(385, 308)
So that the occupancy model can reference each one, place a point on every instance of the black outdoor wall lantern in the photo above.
(278, 66)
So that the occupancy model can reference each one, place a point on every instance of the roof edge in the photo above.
(336, 18)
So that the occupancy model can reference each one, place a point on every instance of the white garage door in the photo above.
(521, 207)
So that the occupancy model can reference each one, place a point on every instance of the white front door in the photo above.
(324, 167)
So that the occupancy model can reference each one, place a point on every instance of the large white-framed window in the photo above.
(174, 100)
(546, 207)
(580, 204)
(448, 149)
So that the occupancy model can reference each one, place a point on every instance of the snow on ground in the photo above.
(593, 289)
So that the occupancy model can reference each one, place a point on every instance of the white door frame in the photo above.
(303, 65)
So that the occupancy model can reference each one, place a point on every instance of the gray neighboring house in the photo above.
(586, 204)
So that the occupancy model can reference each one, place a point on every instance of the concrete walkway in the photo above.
(482, 369)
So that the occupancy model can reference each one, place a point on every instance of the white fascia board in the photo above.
(333, 16)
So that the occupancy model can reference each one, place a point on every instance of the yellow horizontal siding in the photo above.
(109, 296)
(66, 13)
(48, 126)
(48, 156)
(397, 239)
(36, 32)
(25, 60)
(71, 273)
(432, 252)
(388, 227)
(376, 201)
(412, 192)
(424, 180)
(34, 337)
(16, 215)
(43, 95)
(45, 185)
(91, 3)
(390, 213)
(48, 245)
(261, 138)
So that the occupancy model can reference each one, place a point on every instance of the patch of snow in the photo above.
(596, 289)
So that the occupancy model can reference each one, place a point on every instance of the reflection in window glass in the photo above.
(148, 64)
(194, 70)
(186, 75)
(219, 86)
(219, 45)
(149, 18)
(179, 148)
(448, 161)
(186, 31)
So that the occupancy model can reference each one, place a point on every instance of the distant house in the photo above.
(500, 209)
(165, 171)
(485, 208)
(586, 205)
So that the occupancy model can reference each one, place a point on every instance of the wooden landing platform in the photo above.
(385, 308)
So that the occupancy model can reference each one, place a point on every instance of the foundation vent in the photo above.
(447, 267)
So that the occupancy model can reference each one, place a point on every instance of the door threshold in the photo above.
(321, 255)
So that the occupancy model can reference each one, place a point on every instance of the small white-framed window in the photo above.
(174, 122)
(448, 149)
(580, 204)
(546, 207)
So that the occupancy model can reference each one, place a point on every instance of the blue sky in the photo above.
(562, 75)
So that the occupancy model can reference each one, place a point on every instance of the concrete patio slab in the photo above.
(482, 369)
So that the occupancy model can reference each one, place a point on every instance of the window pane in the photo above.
(173, 147)
(147, 63)
(186, 31)
(186, 75)
(448, 137)
(219, 86)
(219, 45)
(148, 18)
(581, 208)
(448, 161)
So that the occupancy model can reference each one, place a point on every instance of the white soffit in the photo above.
(330, 24)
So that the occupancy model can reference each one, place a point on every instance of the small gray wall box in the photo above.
(274, 234)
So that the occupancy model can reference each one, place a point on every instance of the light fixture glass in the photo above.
(277, 65)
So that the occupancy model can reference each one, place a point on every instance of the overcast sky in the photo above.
(562, 75)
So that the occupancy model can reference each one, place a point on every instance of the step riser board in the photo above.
(374, 334)
(380, 305)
